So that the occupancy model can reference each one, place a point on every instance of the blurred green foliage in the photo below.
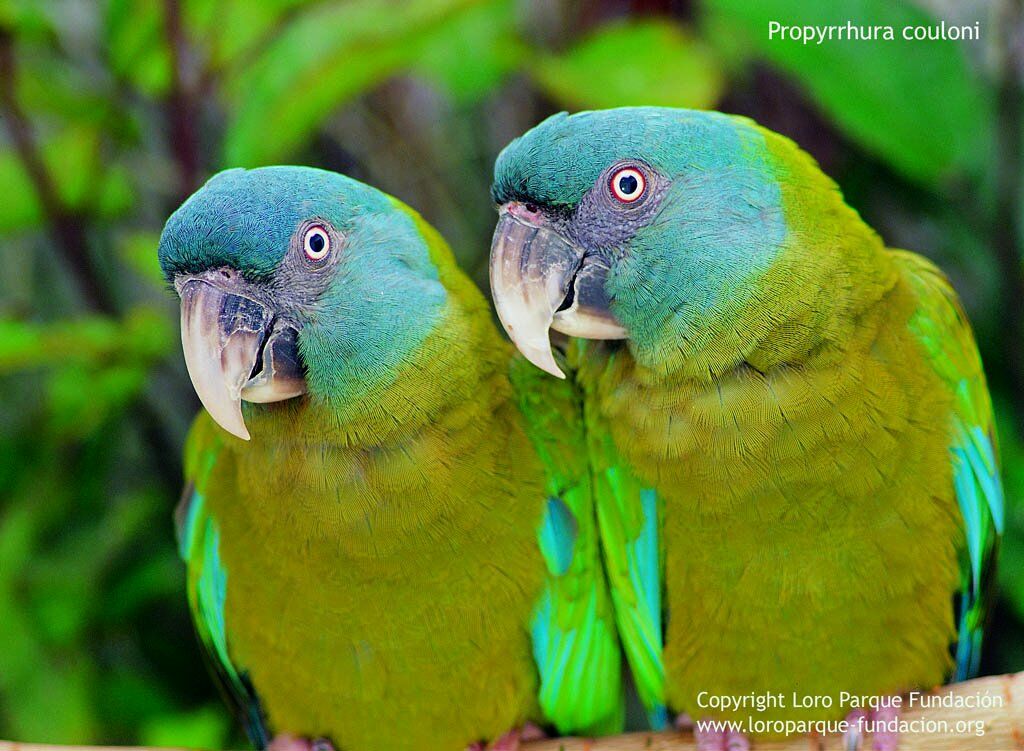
(114, 111)
(918, 107)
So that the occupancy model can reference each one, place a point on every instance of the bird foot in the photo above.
(878, 722)
(511, 740)
(285, 742)
(708, 739)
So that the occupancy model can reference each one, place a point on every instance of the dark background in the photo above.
(113, 112)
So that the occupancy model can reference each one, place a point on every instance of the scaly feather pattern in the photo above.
(397, 561)
(806, 404)
(372, 563)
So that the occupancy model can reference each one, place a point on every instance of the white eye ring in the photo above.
(316, 243)
(638, 184)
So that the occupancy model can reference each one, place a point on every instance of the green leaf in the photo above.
(138, 251)
(75, 164)
(325, 57)
(68, 685)
(48, 85)
(918, 105)
(206, 727)
(233, 28)
(652, 62)
(136, 45)
(28, 19)
(1011, 555)
(114, 193)
(156, 578)
(143, 336)
(469, 56)
(31, 683)
(132, 697)
(80, 399)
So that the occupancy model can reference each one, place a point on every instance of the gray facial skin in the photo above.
(240, 339)
(549, 268)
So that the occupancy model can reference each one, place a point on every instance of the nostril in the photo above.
(531, 212)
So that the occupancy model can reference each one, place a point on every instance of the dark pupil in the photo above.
(316, 243)
(628, 185)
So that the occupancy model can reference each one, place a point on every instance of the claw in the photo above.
(511, 740)
(853, 738)
(507, 742)
(882, 737)
(736, 742)
(286, 742)
(708, 740)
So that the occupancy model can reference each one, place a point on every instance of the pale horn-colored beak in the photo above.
(540, 281)
(235, 349)
(531, 270)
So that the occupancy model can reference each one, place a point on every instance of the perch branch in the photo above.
(1002, 729)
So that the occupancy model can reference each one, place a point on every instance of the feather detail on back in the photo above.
(943, 330)
(573, 628)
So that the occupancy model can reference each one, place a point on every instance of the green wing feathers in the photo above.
(629, 519)
(199, 547)
(942, 327)
(575, 644)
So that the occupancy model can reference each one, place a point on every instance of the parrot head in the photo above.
(649, 224)
(295, 281)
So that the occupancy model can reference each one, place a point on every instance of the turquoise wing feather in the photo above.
(629, 517)
(575, 644)
(199, 547)
(629, 521)
(942, 327)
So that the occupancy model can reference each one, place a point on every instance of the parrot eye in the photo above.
(316, 243)
(628, 184)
